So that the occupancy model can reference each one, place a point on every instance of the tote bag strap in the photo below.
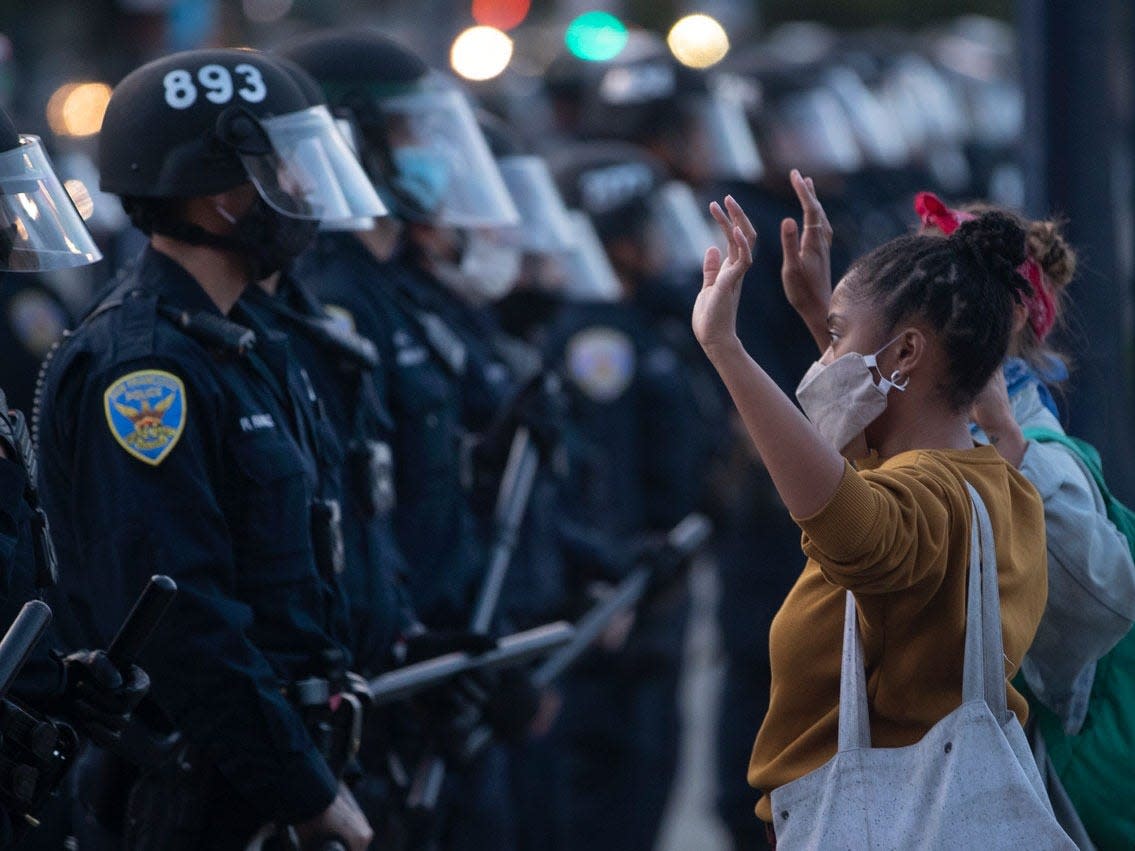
(854, 722)
(984, 672)
(983, 675)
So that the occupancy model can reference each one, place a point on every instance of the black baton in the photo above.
(140, 623)
(20, 639)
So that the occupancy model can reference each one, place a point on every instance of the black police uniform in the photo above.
(217, 486)
(435, 525)
(343, 368)
(620, 724)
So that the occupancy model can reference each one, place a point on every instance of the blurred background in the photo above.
(1027, 103)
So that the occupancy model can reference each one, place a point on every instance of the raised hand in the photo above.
(715, 311)
(807, 270)
(993, 411)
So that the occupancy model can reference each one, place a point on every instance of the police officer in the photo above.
(634, 403)
(42, 231)
(421, 147)
(176, 430)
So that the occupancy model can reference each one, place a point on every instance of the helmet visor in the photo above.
(679, 232)
(809, 130)
(544, 227)
(585, 270)
(311, 172)
(40, 228)
(442, 161)
(732, 149)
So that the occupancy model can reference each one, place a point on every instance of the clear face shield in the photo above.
(877, 130)
(809, 130)
(544, 227)
(310, 171)
(584, 272)
(723, 116)
(358, 223)
(678, 232)
(441, 159)
(40, 229)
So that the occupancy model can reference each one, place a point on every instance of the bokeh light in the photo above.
(480, 53)
(596, 36)
(501, 14)
(698, 41)
(77, 109)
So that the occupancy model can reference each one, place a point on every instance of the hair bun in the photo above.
(997, 243)
(1046, 245)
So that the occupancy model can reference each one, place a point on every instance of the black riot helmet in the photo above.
(202, 122)
(417, 133)
(696, 120)
(40, 229)
(627, 194)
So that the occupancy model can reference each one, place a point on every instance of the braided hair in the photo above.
(963, 286)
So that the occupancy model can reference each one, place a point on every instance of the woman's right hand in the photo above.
(715, 311)
(807, 270)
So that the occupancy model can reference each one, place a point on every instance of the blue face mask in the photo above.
(422, 174)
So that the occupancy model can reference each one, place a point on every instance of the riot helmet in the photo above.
(632, 203)
(204, 122)
(40, 228)
(695, 120)
(417, 133)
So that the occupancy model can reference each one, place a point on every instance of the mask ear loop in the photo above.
(893, 381)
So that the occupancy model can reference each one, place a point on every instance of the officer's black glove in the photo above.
(512, 705)
(429, 645)
(96, 696)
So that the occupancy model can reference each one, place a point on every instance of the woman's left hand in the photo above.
(715, 311)
(993, 411)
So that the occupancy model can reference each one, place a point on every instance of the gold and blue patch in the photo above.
(146, 413)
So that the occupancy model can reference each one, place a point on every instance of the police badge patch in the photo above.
(146, 413)
(601, 362)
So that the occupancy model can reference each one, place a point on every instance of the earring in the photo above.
(895, 376)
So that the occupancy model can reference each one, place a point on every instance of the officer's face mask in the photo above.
(268, 238)
(422, 174)
(841, 398)
(486, 273)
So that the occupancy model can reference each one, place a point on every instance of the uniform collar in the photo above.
(163, 276)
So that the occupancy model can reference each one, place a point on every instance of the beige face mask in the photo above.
(841, 398)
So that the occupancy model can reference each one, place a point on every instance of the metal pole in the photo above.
(1076, 61)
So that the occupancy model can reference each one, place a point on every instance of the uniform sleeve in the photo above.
(881, 531)
(1091, 584)
(128, 519)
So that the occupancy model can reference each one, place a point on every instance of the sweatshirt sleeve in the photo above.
(881, 531)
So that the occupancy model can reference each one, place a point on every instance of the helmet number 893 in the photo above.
(217, 82)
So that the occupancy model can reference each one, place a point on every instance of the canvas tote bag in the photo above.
(971, 782)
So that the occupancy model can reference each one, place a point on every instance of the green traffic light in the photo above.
(596, 36)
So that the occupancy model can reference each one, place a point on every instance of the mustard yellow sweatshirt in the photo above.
(898, 536)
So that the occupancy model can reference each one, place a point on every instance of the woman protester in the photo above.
(914, 331)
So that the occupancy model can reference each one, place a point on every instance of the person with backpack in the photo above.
(1078, 673)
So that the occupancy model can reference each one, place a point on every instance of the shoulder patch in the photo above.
(601, 362)
(146, 413)
(342, 317)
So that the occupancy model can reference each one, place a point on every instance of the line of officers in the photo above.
(299, 400)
